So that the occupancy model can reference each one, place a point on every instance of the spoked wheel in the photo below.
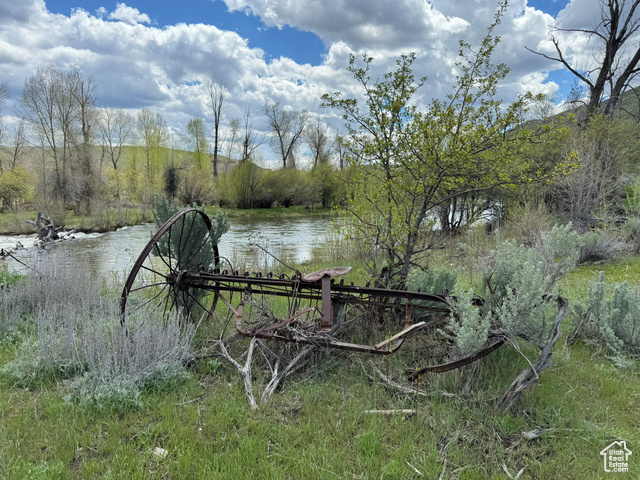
(158, 280)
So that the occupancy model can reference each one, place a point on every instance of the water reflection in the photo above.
(113, 253)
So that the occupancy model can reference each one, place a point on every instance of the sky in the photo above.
(159, 54)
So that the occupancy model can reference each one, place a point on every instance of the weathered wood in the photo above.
(531, 375)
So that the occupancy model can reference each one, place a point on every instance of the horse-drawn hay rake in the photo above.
(180, 270)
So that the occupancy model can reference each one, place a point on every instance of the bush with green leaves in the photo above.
(610, 315)
(517, 284)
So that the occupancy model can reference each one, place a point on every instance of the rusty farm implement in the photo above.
(180, 270)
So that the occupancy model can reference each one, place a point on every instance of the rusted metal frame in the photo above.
(313, 291)
(335, 287)
(445, 367)
(270, 333)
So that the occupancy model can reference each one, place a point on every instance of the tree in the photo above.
(233, 137)
(251, 140)
(217, 94)
(4, 94)
(613, 69)
(317, 137)
(115, 128)
(83, 91)
(409, 162)
(287, 126)
(58, 106)
(198, 144)
(154, 137)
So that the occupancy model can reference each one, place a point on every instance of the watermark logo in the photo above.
(616, 457)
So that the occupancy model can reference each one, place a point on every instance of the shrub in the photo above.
(74, 329)
(516, 283)
(611, 316)
(599, 246)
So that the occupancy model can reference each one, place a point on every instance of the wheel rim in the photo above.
(155, 283)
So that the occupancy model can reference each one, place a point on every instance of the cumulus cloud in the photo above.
(136, 64)
(129, 15)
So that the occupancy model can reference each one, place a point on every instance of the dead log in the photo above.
(531, 375)
(47, 231)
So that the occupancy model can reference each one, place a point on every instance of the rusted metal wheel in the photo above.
(158, 280)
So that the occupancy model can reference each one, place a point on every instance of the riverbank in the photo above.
(15, 223)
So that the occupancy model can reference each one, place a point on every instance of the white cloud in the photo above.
(129, 15)
(136, 64)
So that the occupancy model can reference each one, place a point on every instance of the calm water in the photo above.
(113, 253)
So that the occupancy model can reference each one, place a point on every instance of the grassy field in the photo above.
(317, 426)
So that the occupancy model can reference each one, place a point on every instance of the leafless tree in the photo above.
(613, 70)
(251, 140)
(83, 93)
(115, 128)
(287, 127)
(317, 136)
(4, 94)
(233, 137)
(57, 104)
(19, 142)
(217, 93)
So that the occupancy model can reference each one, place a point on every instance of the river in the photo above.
(112, 254)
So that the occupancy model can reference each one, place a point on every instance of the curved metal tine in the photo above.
(173, 296)
(179, 249)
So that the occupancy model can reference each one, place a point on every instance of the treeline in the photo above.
(65, 151)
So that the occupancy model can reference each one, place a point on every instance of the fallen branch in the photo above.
(409, 390)
(444, 454)
(392, 412)
(278, 377)
(244, 371)
(532, 374)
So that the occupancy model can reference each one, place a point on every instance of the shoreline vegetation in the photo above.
(110, 219)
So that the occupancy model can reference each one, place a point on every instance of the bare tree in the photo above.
(613, 69)
(317, 137)
(251, 140)
(197, 141)
(287, 127)
(83, 93)
(232, 137)
(57, 104)
(19, 142)
(115, 128)
(4, 94)
(341, 150)
(217, 93)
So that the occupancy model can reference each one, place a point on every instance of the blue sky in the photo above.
(303, 47)
(160, 54)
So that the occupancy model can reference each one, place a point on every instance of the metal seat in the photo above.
(331, 272)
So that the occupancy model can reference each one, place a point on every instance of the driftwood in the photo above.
(9, 251)
(531, 375)
(48, 233)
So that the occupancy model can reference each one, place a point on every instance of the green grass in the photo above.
(113, 217)
(293, 211)
(318, 428)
